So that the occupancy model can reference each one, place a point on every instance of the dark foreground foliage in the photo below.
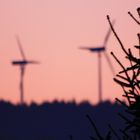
(129, 79)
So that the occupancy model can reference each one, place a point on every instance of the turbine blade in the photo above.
(84, 48)
(92, 48)
(20, 47)
(33, 62)
(108, 35)
(109, 63)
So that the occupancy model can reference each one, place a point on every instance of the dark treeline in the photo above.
(57, 120)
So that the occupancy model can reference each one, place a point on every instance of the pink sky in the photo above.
(51, 31)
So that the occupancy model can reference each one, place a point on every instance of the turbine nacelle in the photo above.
(24, 62)
(94, 49)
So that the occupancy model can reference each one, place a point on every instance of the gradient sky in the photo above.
(51, 31)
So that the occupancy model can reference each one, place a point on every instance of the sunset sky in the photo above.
(51, 32)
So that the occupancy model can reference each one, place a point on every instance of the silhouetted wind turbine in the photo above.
(22, 64)
(99, 50)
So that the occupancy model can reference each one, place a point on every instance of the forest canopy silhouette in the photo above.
(56, 120)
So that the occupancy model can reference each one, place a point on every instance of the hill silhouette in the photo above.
(56, 120)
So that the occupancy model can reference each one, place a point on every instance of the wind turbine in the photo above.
(22, 64)
(99, 50)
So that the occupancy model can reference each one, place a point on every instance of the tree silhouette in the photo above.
(129, 79)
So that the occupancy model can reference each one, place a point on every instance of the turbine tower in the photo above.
(22, 64)
(101, 50)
